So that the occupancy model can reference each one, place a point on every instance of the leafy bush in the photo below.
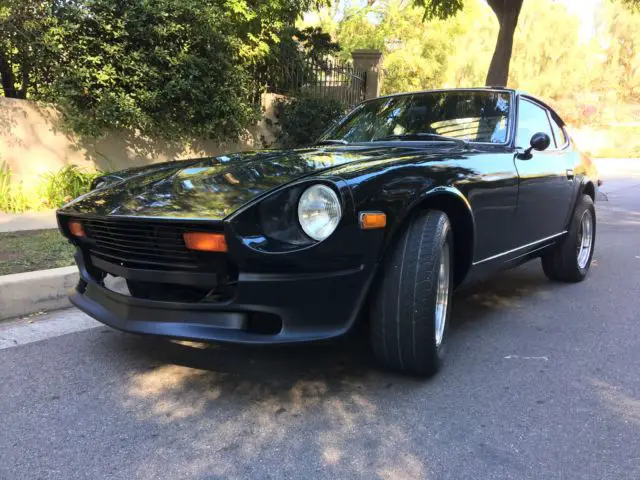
(52, 190)
(304, 118)
(63, 186)
(163, 68)
(5, 186)
(13, 197)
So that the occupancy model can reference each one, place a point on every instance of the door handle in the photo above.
(570, 174)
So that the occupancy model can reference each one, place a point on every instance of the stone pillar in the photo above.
(369, 61)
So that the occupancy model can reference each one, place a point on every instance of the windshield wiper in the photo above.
(408, 136)
(332, 141)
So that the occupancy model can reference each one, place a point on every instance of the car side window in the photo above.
(532, 119)
(558, 133)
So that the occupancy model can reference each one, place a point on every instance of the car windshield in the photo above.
(470, 116)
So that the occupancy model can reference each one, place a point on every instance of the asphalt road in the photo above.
(542, 381)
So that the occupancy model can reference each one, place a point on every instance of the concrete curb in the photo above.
(30, 292)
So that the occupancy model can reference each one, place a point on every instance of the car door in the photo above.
(545, 177)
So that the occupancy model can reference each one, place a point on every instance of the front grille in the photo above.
(144, 244)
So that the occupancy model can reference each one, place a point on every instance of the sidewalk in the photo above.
(27, 221)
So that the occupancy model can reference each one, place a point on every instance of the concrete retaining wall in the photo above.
(32, 144)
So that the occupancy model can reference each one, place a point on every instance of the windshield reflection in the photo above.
(471, 116)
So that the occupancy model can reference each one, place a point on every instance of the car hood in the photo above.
(213, 188)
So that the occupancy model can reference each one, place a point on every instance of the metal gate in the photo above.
(326, 78)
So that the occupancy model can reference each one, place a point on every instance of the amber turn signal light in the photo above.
(205, 242)
(75, 228)
(372, 220)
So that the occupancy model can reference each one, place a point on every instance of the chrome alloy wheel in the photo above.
(442, 297)
(585, 239)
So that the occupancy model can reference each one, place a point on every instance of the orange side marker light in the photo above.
(75, 228)
(205, 242)
(372, 220)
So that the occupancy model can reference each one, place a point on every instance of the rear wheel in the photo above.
(570, 259)
(410, 311)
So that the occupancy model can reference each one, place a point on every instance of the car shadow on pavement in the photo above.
(350, 355)
(507, 290)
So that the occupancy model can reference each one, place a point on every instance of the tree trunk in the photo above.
(507, 12)
(6, 76)
(22, 93)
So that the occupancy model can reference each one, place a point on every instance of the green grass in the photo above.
(34, 250)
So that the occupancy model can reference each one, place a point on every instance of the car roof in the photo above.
(464, 89)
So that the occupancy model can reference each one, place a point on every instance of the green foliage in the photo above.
(26, 47)
(583, 74)
(570, 66)
(442, 9)
(5, 188)
(454, 11)
(52, 190)
(13, 197)
(623, 55)
(163, 68)
(632, 4)
(304, 118)
(64, 185)
(550, 65)
(416, 54)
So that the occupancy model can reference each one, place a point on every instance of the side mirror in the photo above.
(539, 142)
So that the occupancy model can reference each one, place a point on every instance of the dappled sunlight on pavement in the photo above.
(619, 401)
(250, 400)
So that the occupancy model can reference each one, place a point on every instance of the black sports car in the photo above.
(405, 199)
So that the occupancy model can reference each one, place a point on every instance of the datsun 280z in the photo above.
(405, 199)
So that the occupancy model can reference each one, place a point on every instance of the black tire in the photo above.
(403, 310)
(561, 263)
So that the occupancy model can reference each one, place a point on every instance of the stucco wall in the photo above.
(32, 144)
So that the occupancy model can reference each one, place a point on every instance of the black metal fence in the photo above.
(322, 77)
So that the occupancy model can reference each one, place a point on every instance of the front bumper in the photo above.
(310, 307)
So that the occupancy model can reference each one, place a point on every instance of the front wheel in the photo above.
(569, 261)
(410, 311)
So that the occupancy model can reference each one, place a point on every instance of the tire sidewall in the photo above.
(403, 331)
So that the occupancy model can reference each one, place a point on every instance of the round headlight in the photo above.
(319, 211)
